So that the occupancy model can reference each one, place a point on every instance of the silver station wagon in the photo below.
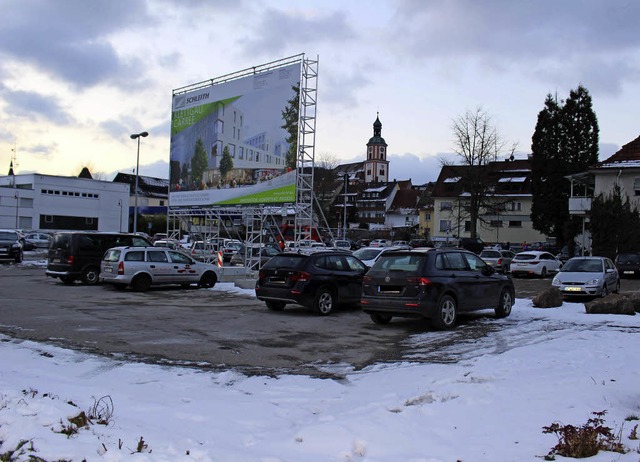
(143, 267)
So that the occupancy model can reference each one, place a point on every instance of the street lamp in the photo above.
(136, 136)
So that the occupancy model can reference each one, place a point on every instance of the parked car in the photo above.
(38, 240)
(369, 255)
(472, 244)
(320, 280)
(10, 245)
(168, 243)
(415, 243)
(534, 263)
(436, 284)
(203, 251)
(230, 248)
(143, 267)
(587, 276)
(628, 264)
(342, 244)
(380, 243)
(258, 257)
(499, 259)
(77, 254)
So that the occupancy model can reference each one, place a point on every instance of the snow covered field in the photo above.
(490, 405)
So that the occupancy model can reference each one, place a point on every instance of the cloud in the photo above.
(33, 105)
(411, 166)
(70, 39)
(281, 32)
(573, 38)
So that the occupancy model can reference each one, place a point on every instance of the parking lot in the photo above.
(215, 328)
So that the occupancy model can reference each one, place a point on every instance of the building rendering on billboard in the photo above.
(229, 139)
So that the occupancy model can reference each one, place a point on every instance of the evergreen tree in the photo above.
(565, 142)
(290, 116)
(613, 224)
(198, 162)
(226, 162)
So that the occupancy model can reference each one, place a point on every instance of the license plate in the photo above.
(108, 270)
(572, 289)
(628, 272)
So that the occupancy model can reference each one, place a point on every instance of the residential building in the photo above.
(506, 217)
(623, 169)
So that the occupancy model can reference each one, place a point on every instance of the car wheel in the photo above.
(208, 280)
(605, 290)
(324, 302)
(380, 319)
(275, 306)
(543, 273)
(617, 291)
(446, 314)
(90, 275)
(141, 283)
(504, 304)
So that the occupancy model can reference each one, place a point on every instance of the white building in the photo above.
(47, 202)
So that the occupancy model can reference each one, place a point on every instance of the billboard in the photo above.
(229, 140)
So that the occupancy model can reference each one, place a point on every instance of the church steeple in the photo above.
(376, 167)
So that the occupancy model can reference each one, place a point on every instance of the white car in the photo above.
(534, 263)
(143, 267)
(380, 243)
(369, 255)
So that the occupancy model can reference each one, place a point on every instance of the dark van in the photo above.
(77, 254)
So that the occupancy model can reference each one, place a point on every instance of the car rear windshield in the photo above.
(112, 255)
(490, 254)
(367, 254)
(628, 258)
(525, 256)
(61, 241)
(403, 262)
(287, 260)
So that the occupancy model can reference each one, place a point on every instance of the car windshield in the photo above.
(8, 236)
(583, 266)
(490, 254)
(366, 254)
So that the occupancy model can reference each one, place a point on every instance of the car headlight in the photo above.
(556, 281)
(593, 282)
(17, 245)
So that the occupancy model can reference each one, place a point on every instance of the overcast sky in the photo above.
(77, 77)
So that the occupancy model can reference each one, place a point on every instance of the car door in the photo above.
(457, 273)
(160, 268)
(183, 269)
(355, 274)
(486, 282)
(610, 275)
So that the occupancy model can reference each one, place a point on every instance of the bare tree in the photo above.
(477, 143)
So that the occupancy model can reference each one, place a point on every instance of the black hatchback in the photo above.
(321, 280)
(628, 264)
(436, 284)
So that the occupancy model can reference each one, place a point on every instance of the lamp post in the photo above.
(344, 218)
(136, 136)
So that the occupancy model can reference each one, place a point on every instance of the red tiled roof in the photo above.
(628, 152)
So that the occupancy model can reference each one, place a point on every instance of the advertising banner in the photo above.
(234, 142)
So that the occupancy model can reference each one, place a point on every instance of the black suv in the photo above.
(321, 280)
(11, 245)
(77, 255)
(434, 283)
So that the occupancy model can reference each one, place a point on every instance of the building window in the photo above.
(445, 226)
(161, 203)
(516, 206)
(467, 226)
(515, 224)
(636, 186)
(496, 223)
(446, 205)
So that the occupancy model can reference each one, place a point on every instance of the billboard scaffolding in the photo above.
(242, 151)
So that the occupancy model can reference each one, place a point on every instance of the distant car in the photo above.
(380, 243)
(499, 259)
(10, 246)
(436, 284)
(369, 255)
(342, 244)
(230, 248)
(168, 243)
(628, 264)
(259, 256)
(534, 263)
(320, 280)
(203, 251)
(143, 267)
(587, 276)
(38, 240)
(415, 243)
(472, 244)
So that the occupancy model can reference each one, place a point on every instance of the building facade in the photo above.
(46, 202)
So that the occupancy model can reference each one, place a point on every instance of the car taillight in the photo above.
(366, 279)
(261, 275)
(301, 276)
(421, 281)
(499, 261)
(70, 260)
(121, 268)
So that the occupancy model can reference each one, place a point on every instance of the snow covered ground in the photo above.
(489, 403)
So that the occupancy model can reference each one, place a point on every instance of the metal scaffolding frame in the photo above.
(260, 224)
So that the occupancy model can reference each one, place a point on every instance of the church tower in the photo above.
(376, 167)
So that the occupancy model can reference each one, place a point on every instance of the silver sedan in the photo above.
(587, 277)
